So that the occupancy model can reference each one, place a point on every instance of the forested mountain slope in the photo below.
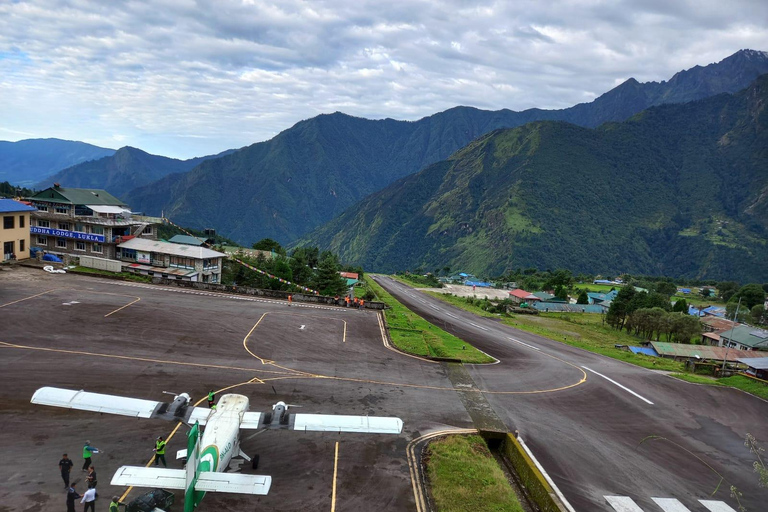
(308, 174)
(678, 190)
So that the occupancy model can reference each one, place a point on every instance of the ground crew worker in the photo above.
(113, 506)
(362, 303)
(160, 451)
(88, 450)
(346, 299)
(211, 398)
(72, 495)
(290, 299)
(65, 465)
(354, 302)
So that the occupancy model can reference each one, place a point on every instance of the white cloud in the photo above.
(186, 78)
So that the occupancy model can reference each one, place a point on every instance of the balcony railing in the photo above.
(133, 220)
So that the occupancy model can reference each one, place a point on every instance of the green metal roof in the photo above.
(77, 196)
(747, 335)
(186, 239)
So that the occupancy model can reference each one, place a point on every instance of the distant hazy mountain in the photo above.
(308, 174)
(676, 190)
(27, 162)
(123, 171)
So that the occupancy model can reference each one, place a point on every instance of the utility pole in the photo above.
(735, 319)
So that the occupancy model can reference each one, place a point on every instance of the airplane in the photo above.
(220, 440)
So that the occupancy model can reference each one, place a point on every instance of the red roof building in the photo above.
(519, 295)
(349, 275)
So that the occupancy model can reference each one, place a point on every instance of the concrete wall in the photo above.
(276, 294)
(535, 484)
(100, 263)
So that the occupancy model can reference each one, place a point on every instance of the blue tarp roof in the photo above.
(10, 206)
(52, 257)
(685, 290)
(462, 274)
(479, 283)
(714, 311)
(649, 351)
(693, 311)
(602, 281)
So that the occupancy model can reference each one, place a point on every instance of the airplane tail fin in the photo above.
(192, 497)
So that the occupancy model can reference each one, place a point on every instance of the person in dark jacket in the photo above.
(91, 478)
(65, 465)
(72, 495)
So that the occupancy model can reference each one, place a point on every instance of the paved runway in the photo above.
(589, 436)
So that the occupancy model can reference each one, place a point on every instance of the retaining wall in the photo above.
(538, 489)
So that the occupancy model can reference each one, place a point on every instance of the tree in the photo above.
(328, 281)
(750, 294)
(267, 244)
(730, 312)
(302, 273)
(666, 288)
(561, 277)
(726, 289)
(561, 293)
(620, 308)
(681, 306)
(706, 292)
(758, 314)
(583, 298)
(685, 327)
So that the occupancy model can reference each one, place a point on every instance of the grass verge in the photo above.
(463, 475)
(583, 330)
(128, 276)
(736, 381)
(411, 333)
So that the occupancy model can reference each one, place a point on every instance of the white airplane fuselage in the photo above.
(221, 437)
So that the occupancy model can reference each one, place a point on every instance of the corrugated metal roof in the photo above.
(556, 307)
(185, 239)
(758, 363)
(746, 335)
(522, 294)
(703, 351)
(11, 206)
(84, 196)
(189, 251)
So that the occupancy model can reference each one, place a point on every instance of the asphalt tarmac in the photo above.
(588, 432)
(139, 340)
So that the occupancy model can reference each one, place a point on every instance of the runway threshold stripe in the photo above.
(716, 506)
(622, 504)
(619, 385)
(670, 505)
(527, 345)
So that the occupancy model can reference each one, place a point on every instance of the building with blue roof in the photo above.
(14, 235)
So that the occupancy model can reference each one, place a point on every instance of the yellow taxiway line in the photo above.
(123, 307)
(27, 298)
(335, 472)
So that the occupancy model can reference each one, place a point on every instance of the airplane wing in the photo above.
(150, 477)
(124, 406)
(252, 420)
(96, 402)
(334, 423)
(233, 482)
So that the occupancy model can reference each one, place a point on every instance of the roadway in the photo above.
(585, 417)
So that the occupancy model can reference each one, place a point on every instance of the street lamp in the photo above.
(735, 318)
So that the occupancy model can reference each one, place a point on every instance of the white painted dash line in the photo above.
(451, 315)
(622, 504)
(527, 345)
(716, 506)
(434, 307)
(670, 505)
(478, 326)
(619, 385)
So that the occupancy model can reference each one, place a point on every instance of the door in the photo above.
(8, 250)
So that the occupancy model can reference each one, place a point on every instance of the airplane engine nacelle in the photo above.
(179, 405)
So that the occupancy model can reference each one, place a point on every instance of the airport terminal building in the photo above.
(85, 222)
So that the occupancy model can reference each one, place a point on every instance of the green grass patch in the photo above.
(463, 475)
(583, 330)
(128, 276)
(751, 386)
(411, 333)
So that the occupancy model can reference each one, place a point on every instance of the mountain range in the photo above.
(26, 162)
(307, 175)
(676, 190)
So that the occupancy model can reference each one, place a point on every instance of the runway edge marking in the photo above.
(549, 480)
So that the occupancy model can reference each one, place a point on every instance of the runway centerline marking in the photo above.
(619, 385)
(522, 343)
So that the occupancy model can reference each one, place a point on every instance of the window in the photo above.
(97, 248)
(42, 240)
(61, 243)
(21, 245)
(211, 264)
(62, 209)
(42, 207)
(8, 222)
(180, 262)
(147, 230)
(43, 223)
(21, 222)
(64, 225)
(128, 254)
(97, 230)
(80, 227)
(79, 246)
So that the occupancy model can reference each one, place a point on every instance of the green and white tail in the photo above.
(192, 497)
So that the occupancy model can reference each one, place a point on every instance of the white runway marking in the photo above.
(622, 504)
(670, 505)
(302, 327)
(716, 506)
(619, 385)
(520, 342)
(451, 315)
(434, 307)
(478, 326)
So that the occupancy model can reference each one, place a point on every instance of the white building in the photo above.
(171, 261)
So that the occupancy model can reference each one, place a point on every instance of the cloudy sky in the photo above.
(186, 78)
